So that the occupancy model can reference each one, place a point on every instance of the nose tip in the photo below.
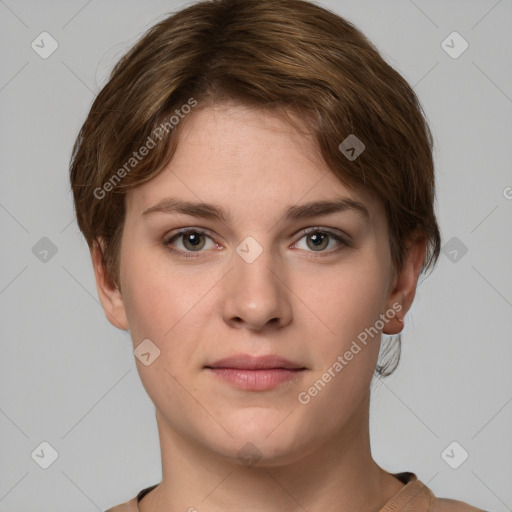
(255, 295)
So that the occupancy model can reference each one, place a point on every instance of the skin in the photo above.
(287, 302)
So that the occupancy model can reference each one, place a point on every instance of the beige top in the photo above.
(413, 497)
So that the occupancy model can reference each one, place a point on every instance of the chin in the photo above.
(264, 447)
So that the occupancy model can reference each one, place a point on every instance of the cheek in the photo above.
(348, 303)
(162, 300)
(348, 299)
(158, 305)
(150, 306)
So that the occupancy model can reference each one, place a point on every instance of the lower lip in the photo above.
(256, 380)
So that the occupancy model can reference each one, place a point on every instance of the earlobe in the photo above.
(108, 292)
(404, 284)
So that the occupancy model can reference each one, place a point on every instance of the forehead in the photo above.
(247, 159)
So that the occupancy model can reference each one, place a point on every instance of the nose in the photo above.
(256, 294)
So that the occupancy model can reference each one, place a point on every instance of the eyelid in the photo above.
(302, 232)
(330, 231)
(166, 242)
(343, 240)
(183, 231)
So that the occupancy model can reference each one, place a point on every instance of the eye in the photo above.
(191, 240)
(188, 241)
(317, 240)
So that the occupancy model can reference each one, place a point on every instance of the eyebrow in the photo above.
(294, 212)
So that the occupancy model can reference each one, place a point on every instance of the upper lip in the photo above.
(248, 362)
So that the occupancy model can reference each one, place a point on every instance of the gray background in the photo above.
(69, 378)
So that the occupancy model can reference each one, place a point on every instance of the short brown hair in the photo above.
(281, 55)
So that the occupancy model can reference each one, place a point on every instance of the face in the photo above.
(273, 276)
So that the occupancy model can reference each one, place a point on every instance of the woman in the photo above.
(256, 186)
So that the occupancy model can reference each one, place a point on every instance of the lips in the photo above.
(255, 373)
(248, 362)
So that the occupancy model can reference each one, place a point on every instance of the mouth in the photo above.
(258, 373)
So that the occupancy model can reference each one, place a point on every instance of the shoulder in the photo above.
(415, 496)
(447, 505)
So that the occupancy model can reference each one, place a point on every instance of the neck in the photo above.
(338, 474)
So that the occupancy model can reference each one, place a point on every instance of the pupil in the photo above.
(318, 238)
(193, 239)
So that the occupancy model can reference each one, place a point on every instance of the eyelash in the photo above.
(167, 242)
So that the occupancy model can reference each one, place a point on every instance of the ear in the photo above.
(403, 287)
(108, 292)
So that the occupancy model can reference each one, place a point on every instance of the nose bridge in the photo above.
(256, 293)
(256, 269)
